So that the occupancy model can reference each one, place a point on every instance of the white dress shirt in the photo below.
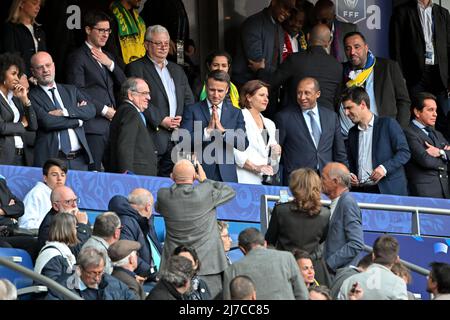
(169, 86)
(37, 204)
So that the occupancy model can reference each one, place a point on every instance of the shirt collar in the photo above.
(219, 106)
(369, 125)
(90, 46)
(157, 64)
(47, 88)
(418, 124)
(8, 97)
(315, 110)
(129, 101)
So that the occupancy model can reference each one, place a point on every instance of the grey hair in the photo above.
(8, 290)
(178, 271)
(106, 224)
(90, 257)
(155, 29)
(129, 85)
(124, 261)
(343, 176)
(140, 199)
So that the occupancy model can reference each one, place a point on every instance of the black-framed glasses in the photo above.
(144, 93)
(103, 31)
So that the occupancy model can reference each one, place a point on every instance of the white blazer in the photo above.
(257, 151)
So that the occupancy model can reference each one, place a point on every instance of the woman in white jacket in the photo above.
(254, 162)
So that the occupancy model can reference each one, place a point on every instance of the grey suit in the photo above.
(345, 235)
(378, 283)
(275, 274)
(144, 68)
(189, 213)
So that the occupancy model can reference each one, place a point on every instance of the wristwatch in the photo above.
(442, 153)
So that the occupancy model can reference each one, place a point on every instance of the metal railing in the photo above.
(51, 284)
(415, 211)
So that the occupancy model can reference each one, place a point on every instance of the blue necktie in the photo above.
(432, 136)
(314, 128)
(143, 118)
(155, 254)
(63, 134)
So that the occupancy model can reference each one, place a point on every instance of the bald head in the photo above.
(63, 199)
(142, 201)
(320, 35)
(183, 172)
(339, 171)
(242, 288)
(43, 68)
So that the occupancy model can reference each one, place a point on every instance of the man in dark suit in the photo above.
(309, 134)
(61, 111)
(261, 40)
(377, 147)
(131, 147)
(419, 42)
(170, 92)
(95, 73)
(382, 79)
(315, 62)
(427, 170)
(189, 212)
(64, 200)
(215, 127)
(345, 234)
(325, 12)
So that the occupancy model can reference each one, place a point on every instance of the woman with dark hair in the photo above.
(21, 33)
(199, 288)
(17, 117)
(221, 60)
(254, 162)
(303, 222)
(56, 258)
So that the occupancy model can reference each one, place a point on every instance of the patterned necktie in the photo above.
(432, 136)
(63, 134)
(314, 128)
(287, 50)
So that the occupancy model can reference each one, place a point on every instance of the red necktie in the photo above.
(287, 50)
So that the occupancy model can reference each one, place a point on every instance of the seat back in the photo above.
(21, 257)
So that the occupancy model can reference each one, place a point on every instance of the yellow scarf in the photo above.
(131, 32)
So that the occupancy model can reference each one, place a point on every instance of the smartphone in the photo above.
(353, 289)
(284, 196)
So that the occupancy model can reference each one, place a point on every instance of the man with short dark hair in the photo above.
(439, 281)
(309, 133)
(37, 200)
(427, 169)
(274, 273)
(220, 126)
(381, 78)
(95, 73)
(242, 288)
(378, 282)
(377, 147)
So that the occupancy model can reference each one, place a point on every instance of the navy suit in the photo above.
(389, 148)
(345, 234)
(47, 142)
(97, 83)
(299, 150)
(427, 175)
(231, 119)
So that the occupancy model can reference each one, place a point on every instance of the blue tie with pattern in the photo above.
(314, 128)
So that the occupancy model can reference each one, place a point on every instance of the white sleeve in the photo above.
(36, 207)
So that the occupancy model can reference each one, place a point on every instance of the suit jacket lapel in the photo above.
(225, 116)
(378, 73)
(205, 110)
(416, 20)
(375, 138)
(420, 132)
(176, 76)
(154, 74)
(95, 64)
(65, 98)
(7, 106)
(306, 132)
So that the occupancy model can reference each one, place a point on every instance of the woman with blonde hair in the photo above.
(56, 258)
(21, 33)
(303, 222)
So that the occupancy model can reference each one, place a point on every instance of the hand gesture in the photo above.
(101, 57)
(21, 92)
(81, 216)
(377, 174)
(24, 121)
(432, 150)
(82, 103)
(219, 126)
(354, 179)
(256, 65)
(110, 113)
(356, 292)
(57, 113)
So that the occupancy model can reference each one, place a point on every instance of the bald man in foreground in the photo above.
(345, 234)
(189, 212)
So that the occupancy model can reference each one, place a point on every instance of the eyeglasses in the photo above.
(160, 44)
(42, 66)
(70, 202)
(94, 274)
(226, 236)
(103, 31)
(144, 93)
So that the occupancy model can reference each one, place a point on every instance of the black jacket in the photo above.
(165, 291)
(137, 228)
(11, 211)
(84, 232)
